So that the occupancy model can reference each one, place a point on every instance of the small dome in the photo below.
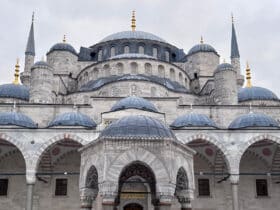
(14, 91)
(63, 47)
(73, 119)
(224, 67)
(253, 120)
(40, 64)
(137, 127)
(18, 119)
(202, 48)
(193, 120)
(132, 35)
(134, 102)
(255, 93)
(132, 55)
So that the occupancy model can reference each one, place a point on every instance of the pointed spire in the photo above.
(30, 47)
(133, 21)
(16, 80)
(248, 75)
(234, 44)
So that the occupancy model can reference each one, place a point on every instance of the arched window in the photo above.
(155, 52)
(148, 69)
(161, 72)
(106, 70)
(95, 73)
(126, 50)
(99, 58)
(167, 56)
(113, 51)
(119, 69)
(172, 74)
(141, 50)
(181, 78)
(134, 68)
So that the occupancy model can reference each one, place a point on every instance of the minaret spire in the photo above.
(16, 80)
(234, 44)
(133, 21)
(30, 47)
(248, 75)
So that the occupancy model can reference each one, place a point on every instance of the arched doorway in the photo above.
(12, 177)
(137, 185)
(211, 175)
(260, 175)
(133, 206)
(58, 176)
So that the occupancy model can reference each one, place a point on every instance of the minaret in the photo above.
(29, 55)
(235, 56)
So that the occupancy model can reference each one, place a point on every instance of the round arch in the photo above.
(53, 141)
(142, 155)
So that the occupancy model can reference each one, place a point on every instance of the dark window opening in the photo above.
(203, 187)
(93, 54)
(4, 187)
(61, 187)
(173, 56)
(195, 76)
(261, 187)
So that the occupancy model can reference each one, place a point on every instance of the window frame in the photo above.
(267, 188)
(209, 186)
(55, 187)
(7, 191)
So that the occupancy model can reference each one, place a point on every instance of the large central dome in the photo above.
(132, 35)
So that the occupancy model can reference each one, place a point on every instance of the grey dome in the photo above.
(202, 48)
(255, 93)
(39, 64)
(132, 35)
(137, 127)
(134, 102)
(72, 119)
(14, 91)
(63, 47)
(132, 55)
(15, 118)
(253, 120)
(224, 67)
(193, 120)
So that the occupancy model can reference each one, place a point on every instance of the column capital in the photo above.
(109, 198)
(30, 176)
(234, 179)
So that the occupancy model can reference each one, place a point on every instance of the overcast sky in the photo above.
(180, 22)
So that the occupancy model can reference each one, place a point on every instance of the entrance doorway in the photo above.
(133, 206)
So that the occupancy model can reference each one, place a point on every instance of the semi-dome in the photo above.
(63, 47)
(253, 120)
(41, 64)
(193, 120)
(134, 102)
(16, 118)
(224, 67)
(73, 119)
(132, 35)
(202, 48)
(14, 91)
(132, 55)
(137, 127)
(255, 93)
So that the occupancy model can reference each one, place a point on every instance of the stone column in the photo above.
(185, 203)
(30, 182)
(234, 189)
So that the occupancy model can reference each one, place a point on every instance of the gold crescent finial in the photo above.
(201, 40)
(16, 80)
(133, 21)
(64, 38)
(248, 75)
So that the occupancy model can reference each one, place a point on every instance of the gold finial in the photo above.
(16, 81)
(248, 75)
(64, 38)
(33, 16)
(201, 40)
(133, 21)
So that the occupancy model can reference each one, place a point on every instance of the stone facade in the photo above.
(73, 166)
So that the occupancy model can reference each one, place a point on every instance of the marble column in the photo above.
(234, 188)
(29, 197)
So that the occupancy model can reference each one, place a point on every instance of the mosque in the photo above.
(136, 123)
